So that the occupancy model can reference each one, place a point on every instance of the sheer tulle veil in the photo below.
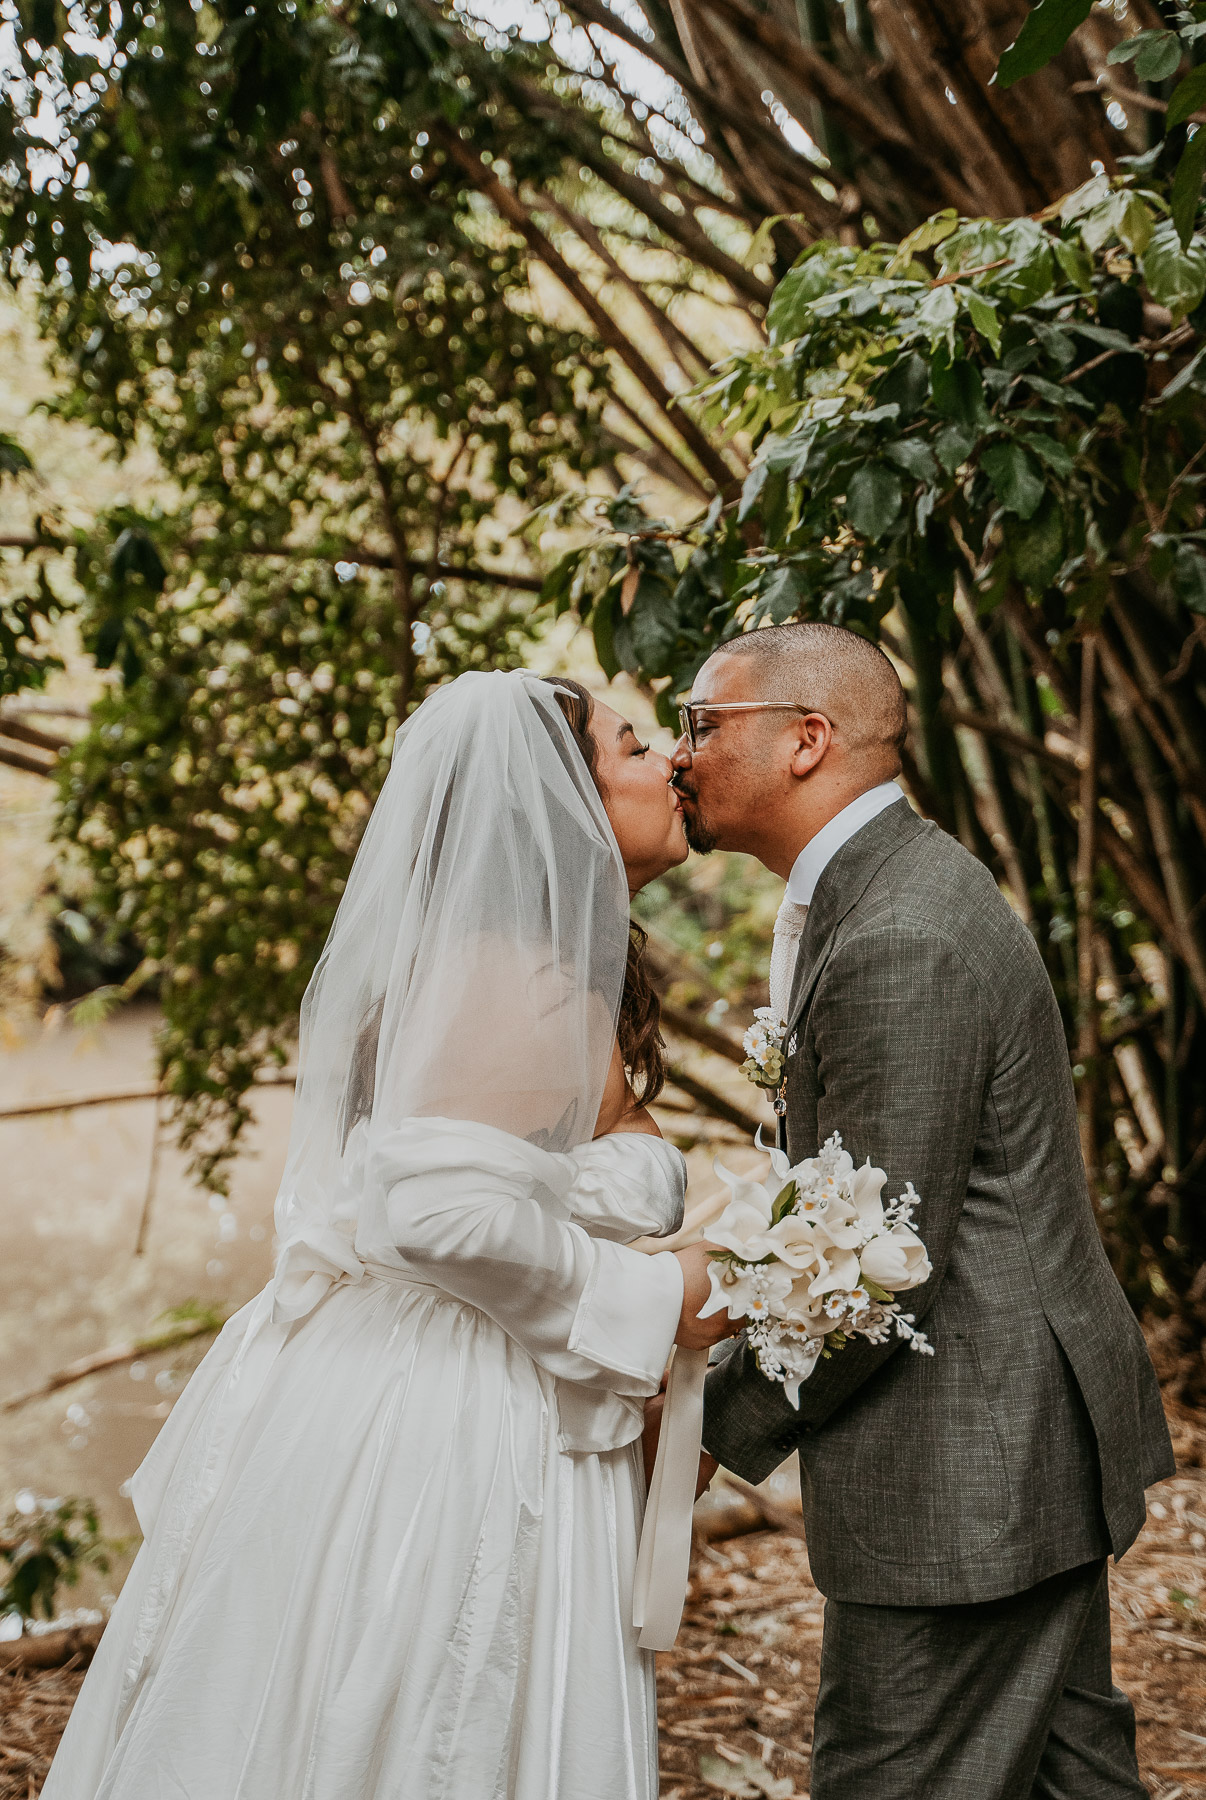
(476, 962)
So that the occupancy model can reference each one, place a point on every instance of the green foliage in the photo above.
(1046, 30)
(1155, 55)
(47, 1545)
(1002, 421)
(28, 602)
(654, 610)
(274, 273)
(219, 798)
(991, 435)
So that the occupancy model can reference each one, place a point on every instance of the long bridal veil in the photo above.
(366, 1566)
(476, 962)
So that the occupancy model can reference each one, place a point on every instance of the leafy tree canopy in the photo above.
(984, 446)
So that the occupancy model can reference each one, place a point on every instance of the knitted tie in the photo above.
(789, 923)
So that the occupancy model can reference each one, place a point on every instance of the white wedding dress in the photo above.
(391, 1526)
(390, 1534)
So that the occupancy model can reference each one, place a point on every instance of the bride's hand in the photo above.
(693, 1332)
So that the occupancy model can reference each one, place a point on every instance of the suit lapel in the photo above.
(842, 885)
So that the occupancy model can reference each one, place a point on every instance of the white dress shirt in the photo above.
(806, 871)
(820, 851)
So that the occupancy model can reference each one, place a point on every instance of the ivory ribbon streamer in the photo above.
(664, 1557)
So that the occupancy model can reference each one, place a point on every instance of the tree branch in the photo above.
(511, 208)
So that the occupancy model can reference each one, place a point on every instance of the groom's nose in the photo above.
(680, 756)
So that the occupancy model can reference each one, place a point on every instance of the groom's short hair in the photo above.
(841, 673)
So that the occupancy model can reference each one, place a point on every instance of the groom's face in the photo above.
(728, 779)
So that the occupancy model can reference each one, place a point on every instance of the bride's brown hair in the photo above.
(639, 1026)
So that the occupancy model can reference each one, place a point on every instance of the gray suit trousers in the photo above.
(1006, 1699)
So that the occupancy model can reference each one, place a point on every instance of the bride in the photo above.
(391, 1525)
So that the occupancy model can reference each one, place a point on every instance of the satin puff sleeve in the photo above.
(490, 1221)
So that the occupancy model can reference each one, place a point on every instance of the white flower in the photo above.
(794, 1241)
(746, 1292)
(866, 1186)
(763, 1045)
(838, 1269)
(896, 1260)
(802, 1248)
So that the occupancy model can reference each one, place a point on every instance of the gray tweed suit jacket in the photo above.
(926, 1032)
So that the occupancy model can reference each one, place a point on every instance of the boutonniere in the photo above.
(763, 1046)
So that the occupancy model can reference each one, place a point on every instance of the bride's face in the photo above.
(646, 813)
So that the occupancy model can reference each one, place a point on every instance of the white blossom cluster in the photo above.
(811, 1257)
(763, 1046)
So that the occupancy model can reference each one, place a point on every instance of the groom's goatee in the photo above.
(698, 837)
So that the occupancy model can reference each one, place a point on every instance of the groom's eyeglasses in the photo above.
(689, 711)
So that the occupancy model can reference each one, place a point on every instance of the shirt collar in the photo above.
(820, 851)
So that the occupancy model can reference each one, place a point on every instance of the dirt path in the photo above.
(736, 1693)
(735, 1696)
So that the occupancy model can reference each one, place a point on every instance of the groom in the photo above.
(959, 1508)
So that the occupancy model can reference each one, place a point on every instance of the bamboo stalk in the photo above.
(1087, 1020)
(1191, 783)
(988, 801)
(512, 209)
(1168, 853)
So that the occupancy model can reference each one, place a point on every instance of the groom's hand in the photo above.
(693, 1332)
(654, 1408)
(652, 1432)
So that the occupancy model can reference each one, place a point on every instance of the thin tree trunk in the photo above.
(1087, 1020)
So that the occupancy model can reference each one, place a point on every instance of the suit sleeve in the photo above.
(903, 1044)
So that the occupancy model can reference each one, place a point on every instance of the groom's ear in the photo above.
(812, 735)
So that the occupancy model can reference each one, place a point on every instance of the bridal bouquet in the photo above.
(812, 1256)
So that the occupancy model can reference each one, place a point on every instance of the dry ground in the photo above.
(736, 1694)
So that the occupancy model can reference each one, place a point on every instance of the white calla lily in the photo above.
(896, 1260)
(866, 1186)
(839, 1269)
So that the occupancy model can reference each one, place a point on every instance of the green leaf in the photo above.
(1175, 277)
(653, 622)
(807, 279)
(1159, 57)
(958, 390)
(923, 237)
(984, 318)
(874, 499)
(1186, 377)
(1047, 29)
(1050, 451)
(603, 627)
(906, 385)
(781, 595)
(1129, 47)
(13, 459)
(914, 456)
(1189, 96)
(938, 314)
(1075, 262)
(1133, 222)
(1036, 546)
(953, 445)
(784, 1201)
(1189, 578)
(1187, 185)
(1016, 482)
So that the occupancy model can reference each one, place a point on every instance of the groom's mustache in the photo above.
(683, 788)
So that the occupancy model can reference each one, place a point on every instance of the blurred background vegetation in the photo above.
(408, 338)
